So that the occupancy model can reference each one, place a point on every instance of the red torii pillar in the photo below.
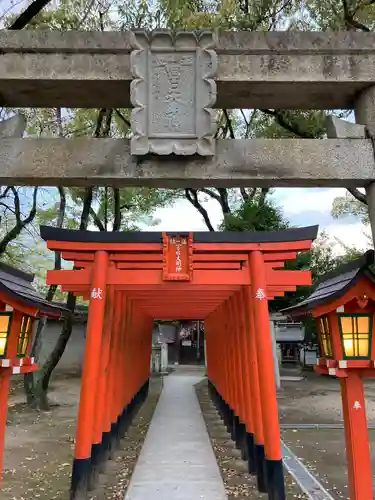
(266, 377)
(240, 363)
(97, 449)
(116, 364)
(257, 437)
(227, 340)
(90, 375)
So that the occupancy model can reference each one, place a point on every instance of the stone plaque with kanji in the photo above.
(173, 92)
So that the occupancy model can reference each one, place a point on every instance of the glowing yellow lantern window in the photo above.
(5, 320)
(325, 337)
(24, 336)
(356, 335)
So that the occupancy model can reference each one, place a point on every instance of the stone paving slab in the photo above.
(177, 461)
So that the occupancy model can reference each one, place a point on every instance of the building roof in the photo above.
(286, 235)
(17, 285)
(164, 334)
(335, 284)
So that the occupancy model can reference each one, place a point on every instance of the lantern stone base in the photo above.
(341, 368)
(9, 362)
(19, 365)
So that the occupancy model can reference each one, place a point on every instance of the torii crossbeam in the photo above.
(224, 278)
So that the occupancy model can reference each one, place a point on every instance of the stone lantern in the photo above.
(20, 307)
(343, 305)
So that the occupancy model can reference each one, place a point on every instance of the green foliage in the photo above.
(290, 123)
(137, 206)
(256, 214)
(226, 14)
(27, 254)
(326, 15)
(321, 260)
(347, 205)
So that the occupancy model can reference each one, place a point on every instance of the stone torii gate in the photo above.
(132, 279)
(174, 82)
(285, 70)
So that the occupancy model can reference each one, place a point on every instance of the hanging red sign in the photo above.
(177, 257)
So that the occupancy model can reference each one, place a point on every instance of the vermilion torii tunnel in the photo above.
(225, 279)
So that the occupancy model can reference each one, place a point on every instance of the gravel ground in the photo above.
(39, 446)
(239, 484)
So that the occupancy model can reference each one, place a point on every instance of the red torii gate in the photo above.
(225, 278)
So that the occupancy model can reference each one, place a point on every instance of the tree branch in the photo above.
(263, 194)
(358, 195)
(224, 202)
(85, 215)
(128, 206)
(229, 124)
(88, 8)
(252, 193)
(116, 210)
(28, 14)
(17, 205)
(104, 116)
(98, 223)
(192, 196)
(248, 122)
(20, 224)
(349, 20)
(99, 122)
(59, 224)
(211, 193)
(122, 117)
(108, 121)
(244, 194)
(5, 192)
(280, 120)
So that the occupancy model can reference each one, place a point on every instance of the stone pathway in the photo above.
(177, 461)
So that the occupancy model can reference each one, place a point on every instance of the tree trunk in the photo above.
(29, 378)
(43, 377)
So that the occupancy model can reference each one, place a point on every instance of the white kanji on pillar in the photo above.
(357, 405)
(178, 258)
(260, 295)
(97, 293)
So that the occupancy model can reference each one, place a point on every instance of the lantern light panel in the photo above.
(355, 332)
(5, 321)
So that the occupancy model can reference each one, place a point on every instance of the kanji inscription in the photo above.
(172, 93)
(177, 252)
